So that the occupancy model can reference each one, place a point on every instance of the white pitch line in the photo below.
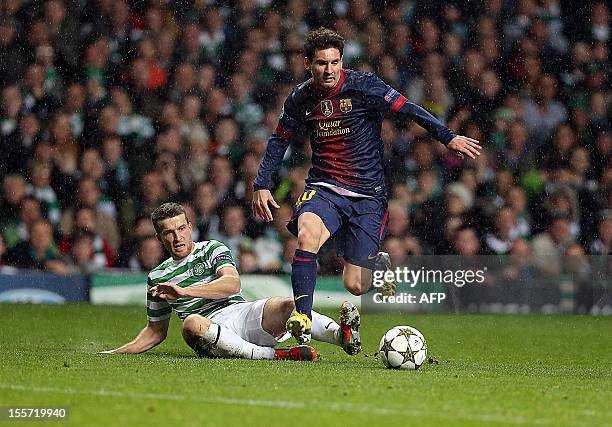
(285, 404)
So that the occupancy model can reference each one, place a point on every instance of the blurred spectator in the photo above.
(516, 200)
(89, 195)
(517, 155)
(466, 242)
(39, 251)
(3, 250)
(232, 231)
(152, 193)
(543, 113)
(602, 244)
(268, 247)
(149, 254)
(505, 233)
(11, 60)
(116, 170)
(40, 188)
(520, 268)
(120, 106)
(102, 254)
(206, 204)
(550, 245)
(14, 190)
(221, 175)
(83, 255)
(18, 229)
(195, 160)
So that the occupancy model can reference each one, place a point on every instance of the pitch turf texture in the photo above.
(492, 370)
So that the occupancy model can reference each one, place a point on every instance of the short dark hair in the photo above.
(165, 211)
(322, 38)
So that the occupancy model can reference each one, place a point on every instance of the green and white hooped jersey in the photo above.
(198, 268)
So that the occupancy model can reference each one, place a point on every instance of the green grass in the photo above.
(493, 370)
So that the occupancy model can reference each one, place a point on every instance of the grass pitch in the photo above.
(492, 370)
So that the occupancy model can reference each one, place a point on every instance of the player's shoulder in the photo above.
(300, 91)
(157, 271)
(208, 247)
(361, 80)
(369, 84)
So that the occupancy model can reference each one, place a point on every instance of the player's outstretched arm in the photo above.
(464, 146)
(227, 283)
(262, 199)
(461, 145)
(152, 334)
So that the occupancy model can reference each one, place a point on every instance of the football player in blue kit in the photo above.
(345, 196)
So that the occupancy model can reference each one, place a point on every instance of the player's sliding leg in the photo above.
(346, 335)
(325, 329)
(208, 338)
(278, 310)
(312, 233)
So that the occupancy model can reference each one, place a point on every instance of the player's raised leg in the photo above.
(359, 244)
(358, 280)
(312, 233)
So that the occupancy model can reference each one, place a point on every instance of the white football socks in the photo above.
(324, 329)
(226, 343)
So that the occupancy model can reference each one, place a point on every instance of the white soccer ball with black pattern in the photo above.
(403, 347)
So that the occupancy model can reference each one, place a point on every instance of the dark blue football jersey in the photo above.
(344, 127)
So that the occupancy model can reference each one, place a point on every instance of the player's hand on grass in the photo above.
(260, 205)
(106, 352)
(167, 291)
(464, 146)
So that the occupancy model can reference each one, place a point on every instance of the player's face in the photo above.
(325, 67)
(175, 235)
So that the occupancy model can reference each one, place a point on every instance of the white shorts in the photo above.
(244, 319)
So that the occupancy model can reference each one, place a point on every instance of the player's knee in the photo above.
(356, 287)
(195, 325)
(288, 305)
(282, 306)
(309, 234)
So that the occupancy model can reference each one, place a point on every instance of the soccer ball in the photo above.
(403, 347)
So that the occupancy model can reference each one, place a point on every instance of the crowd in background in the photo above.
(111, 107)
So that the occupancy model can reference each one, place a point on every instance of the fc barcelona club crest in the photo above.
(346, 105)
(327, 108)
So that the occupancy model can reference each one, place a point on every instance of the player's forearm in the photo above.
(271, 161)
(428, 121)
(219, 288)
(146, 340)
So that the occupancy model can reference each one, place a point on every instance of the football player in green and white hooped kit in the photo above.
(200, 282)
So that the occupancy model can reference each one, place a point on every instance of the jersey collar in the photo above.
(326, 94)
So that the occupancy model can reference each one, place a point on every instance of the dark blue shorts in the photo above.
(357, 225)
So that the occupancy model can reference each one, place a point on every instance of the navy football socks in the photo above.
(303, 280)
